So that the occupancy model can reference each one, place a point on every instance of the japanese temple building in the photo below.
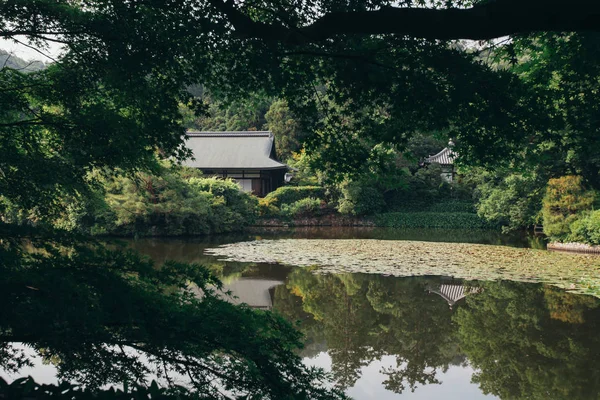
(248, 157)
(446, 160)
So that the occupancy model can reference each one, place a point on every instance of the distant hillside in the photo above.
(11, 61)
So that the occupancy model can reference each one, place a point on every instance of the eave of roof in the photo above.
(444, 157)
(229, 134)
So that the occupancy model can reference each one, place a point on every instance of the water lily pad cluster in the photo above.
(575, 272)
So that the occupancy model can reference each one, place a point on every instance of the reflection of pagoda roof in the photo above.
(453, 292)
(251, 291)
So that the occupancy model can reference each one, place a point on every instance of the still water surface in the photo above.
(421, 337)
(427, 337)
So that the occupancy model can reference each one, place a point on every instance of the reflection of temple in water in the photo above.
(453, 292)
(256, 293)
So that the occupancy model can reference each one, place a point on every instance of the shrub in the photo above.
(512, 200)
(266, 207)
(153, 205)
(563, 203)
(305, 207)
(586, 229)
(232, 209)
(291, 194)
(446, 220)
(360, 199)
(173, 202)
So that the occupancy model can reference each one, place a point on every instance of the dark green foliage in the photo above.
(291, 194)
(171, 201)
(509, 199)
(561, 70)
(232, 208)
(245, 114)
(565, 199)
(442, 206)
(286, 128)
(360, 198)
(421, 146)
(444, 220)
(294, 202)
(452, 207)
(425, 187)
(305, 172)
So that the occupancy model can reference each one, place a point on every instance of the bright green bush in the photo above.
(291, 194)
(446, 220)
(302, 208)
(565, 200)
(586, 229)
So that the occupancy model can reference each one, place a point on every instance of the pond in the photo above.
(417, 337)
(421, 337)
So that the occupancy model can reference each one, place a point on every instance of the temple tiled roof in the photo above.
(444, 157)
(232, 150)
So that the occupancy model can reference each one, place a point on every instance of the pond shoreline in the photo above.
(574, 247)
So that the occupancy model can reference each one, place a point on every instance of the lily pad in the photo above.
(574, 272)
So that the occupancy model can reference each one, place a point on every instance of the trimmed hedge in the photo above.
(444, 206)
(445, 220)
(292, 194)
(453, 207)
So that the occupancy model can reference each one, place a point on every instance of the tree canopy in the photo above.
(355, 74)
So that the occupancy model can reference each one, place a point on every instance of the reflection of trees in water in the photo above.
(531, 341)
(525, 340)
(363, 317)
(420, 332)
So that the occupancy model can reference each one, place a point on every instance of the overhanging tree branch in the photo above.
(489, 20)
